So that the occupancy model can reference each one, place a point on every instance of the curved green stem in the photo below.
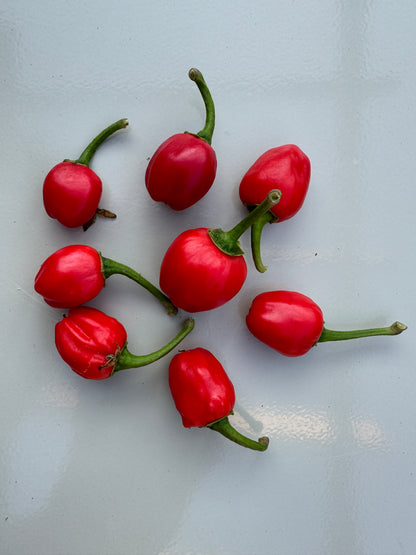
(224, 427)
(256, 231)
(331, 335)
(89, 152)
(110, 267)
(127, 360)
(205, 133)
(227, 241)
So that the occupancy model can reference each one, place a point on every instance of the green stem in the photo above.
(227, 241)
(89, 152)
(331, 335)
(110, 267)
(127, 360)
(205, 133)
(224, 427)
(256, 231)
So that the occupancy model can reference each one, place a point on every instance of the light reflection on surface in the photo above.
(306, 424)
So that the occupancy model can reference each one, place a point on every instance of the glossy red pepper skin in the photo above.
(200, 387)
(181, 171)
(197, 276)
(71, 193)
(183, 168)
(292, 323)
(71, 276)
(95, 344)
(287, 321)
(286, 168)
(90, 342)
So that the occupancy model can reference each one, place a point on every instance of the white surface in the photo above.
(107, 468)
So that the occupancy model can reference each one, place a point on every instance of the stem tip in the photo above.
(398, 327)
(194, 74)
(264, 441)
(274, 196)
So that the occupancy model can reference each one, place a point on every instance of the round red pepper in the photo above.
(291, 323)
(75, 274)
(183, 168)
(72, 191)
(204, 395)
(286, 168)
(95, 344)
(205, 268)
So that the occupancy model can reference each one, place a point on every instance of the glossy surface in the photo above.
(70, 276)
(181, 171)
(200, 387)
(90, 341)
(197, 276)
(106, 467)
(71, 193)
(287, 321)
(286, 168)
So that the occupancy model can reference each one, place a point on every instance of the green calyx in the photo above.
(127, 360)
(110, 267)
(89, 151)
(228, 241)
(208, 130)
(224, 427)
(332, 335)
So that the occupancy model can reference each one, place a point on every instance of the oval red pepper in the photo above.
(205, 268)
(204, 395)
(183, 168)
(291, 323)
(94, 344)
(72, 191)
(286, 168)
(75, 274)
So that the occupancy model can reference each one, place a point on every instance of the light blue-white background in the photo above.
(91, 468)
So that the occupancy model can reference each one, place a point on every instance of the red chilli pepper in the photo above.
(286, 168)
(72, 191)
(204, 395)
(183, 168)
(95, 344)
(205, 268)
(292, 323)
(75, 274)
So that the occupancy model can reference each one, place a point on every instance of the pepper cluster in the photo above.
(203, 269)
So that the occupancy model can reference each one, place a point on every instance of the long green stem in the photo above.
(332, 335)
(89, 151)
(128, 360)
(205, 133)
(110, 267)
(227, 241)
(256, 231)
(224, 427)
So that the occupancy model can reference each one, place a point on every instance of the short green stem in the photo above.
(110, 267)
(127, 360)
(256, 231)
(89, 152)
(224, 427)
(227, 241)
(205, 133)
(332, 335)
